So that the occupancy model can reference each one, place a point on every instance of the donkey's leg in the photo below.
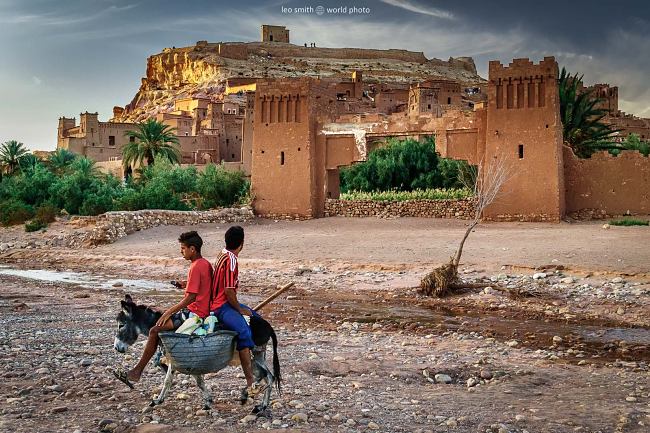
(262, 373)
(167, 384)
(207, 398)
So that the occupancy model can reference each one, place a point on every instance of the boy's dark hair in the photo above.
(191, 239)
(234, 237)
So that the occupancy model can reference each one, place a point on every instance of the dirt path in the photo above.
(360, 349)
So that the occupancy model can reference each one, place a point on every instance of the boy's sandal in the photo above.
(123, 377)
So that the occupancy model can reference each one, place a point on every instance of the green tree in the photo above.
(28, 163)
(402, 165)
(59, 161)
(583, 127)
(10, 153)
(218, 187)
(634, 142)
(151, 139)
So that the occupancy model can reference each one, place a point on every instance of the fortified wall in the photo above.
(607, 185)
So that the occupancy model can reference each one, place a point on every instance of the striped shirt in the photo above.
(226, 275)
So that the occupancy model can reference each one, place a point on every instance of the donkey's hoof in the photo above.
(153, 403)
(243, 396)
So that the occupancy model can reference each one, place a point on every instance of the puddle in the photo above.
(534, 333)
(86, 279)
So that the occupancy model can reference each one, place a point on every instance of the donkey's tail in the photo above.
(276, 362)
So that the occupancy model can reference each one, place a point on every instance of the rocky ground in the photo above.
(360, 349)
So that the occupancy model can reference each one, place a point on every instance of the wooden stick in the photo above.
(277, 293)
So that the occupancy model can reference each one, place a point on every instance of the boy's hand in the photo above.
(163, 319)
(246, 312)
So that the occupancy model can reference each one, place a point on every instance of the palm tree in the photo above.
(60, 160)
(10, 154)
(151, 139)
(583, 127)
(28, 163)
(85, 167)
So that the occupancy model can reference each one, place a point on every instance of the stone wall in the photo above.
(461, 208)
(111, 226)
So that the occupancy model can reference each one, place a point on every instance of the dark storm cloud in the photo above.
(63, 57)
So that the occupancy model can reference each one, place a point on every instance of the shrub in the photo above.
(34, 225)
(402, 166)
(218, 187)
(15, 212)
(629, 222)
(47, 213)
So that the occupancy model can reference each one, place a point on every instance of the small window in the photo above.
(227, 141)
(429, 106)
(449, 101)
(131, 139)
(233, 155)
(281, 158)
(111, 140)
(521, 151)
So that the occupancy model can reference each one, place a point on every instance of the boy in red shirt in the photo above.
(226, 305)
(196, 302)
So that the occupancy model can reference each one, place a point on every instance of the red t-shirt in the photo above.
(226, 275)
(199, 281)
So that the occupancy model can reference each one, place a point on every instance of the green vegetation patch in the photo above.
(418, 194)
(627, 222)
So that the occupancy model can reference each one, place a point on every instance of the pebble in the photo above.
(557, 339)
(630, 399)
(539, 276)
(248, 419)
(512, 343)
(373, 425)
(486, 375)
(617, 280)
(567, 280)
(182, 396)
(350, 422)
(60, 409)
(85, 362)
(299, 417)
(442, 378)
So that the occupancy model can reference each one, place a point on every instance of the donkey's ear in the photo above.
(128, 298)
(126, 307)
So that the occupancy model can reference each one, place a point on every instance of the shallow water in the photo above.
(86, 279)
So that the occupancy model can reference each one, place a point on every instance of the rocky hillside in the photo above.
(202, 70)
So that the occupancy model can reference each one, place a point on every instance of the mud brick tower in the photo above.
(525, 130)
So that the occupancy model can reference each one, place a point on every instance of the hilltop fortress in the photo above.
(290, 116)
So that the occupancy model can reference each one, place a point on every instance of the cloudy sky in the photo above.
(61, 57)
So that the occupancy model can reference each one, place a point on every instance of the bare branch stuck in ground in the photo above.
(486, 182)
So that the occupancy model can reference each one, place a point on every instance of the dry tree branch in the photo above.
(487, 182)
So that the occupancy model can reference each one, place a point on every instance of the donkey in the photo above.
(134, 320)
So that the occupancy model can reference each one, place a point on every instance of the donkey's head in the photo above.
(127, 327)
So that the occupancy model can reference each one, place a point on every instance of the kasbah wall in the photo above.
(300, 142)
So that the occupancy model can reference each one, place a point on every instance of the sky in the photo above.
(62, 57)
